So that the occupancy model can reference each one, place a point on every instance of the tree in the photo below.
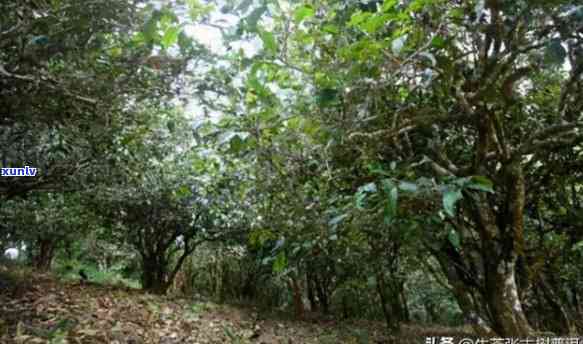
(70, 76)
(462, 97)
(45, 223)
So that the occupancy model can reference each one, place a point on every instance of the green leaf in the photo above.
(360, 197)
(438, 42)
(408, 186)
(115, 52)
(454, 238)
(389, 5)
(392, 192)
(417, 5)
(254, 18)
(280, 262)
(370, 187)
(336, 220)
(269, 42)
(578, 246)
(151, 27)
(244, 6)
(481, 183)
(457, 13)
(398, 44)
(373, 23)
(327, 96)
(183, 192)
(39, 40)
(236, 145)
(184, 42)
(198, 9)
(450, 197)
(357, 18)
(171, 125)
(303, 12)
(555, 52)
(363, 192)
(170, 36)
(333, 29)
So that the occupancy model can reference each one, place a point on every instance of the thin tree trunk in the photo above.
(563, 324)
(44, 258)
(403, 299)
(391, 321)
(310, 289)
(297, 297)
(322, 293)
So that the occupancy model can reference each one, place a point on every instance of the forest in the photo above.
(291, 171)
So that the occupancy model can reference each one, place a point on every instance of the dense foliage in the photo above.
(415, 160)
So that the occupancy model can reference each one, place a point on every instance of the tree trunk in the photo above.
(248, 291)
(296, 290)
(44, 258)
(345, 312)
(431, 312)
(501, 242)
(406, 315)
(396, 299)
(310, 289)
(505, 306)
(561, 322)
(463, 292)
(154, 276)
(322, 292)
(576, 302)
(391, 322)
(507, 244)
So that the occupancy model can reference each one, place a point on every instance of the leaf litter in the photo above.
(41, 309)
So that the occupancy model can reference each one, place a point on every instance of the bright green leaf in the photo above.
(302, 13)
(438, 42)
(331, 29)
(280, 262)
(170, 36)
(450, 197)
(357, 18)
(481, 183)
(389, 5)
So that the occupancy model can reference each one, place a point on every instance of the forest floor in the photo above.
(37, 308)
